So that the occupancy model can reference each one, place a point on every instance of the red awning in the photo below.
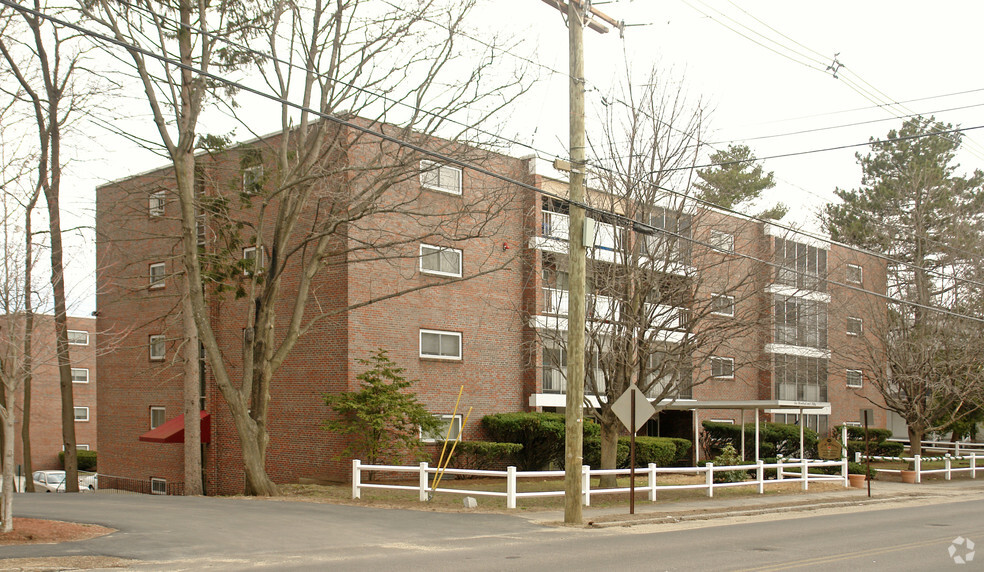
(173, 431)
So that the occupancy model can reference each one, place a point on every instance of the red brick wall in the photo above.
(46, 424)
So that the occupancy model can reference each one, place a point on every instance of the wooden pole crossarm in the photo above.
(596, 26)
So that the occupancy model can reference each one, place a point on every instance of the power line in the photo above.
(636, 226)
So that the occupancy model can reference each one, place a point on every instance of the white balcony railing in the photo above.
(605, 309)
(556, 225)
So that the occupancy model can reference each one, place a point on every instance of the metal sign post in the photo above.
(633, 410)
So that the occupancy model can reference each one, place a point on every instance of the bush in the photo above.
(86, 460)
(875, 435)
(592, 453)
(728, 457)
(883, 448)
(659, 450)
(480, 455)
(858, 469)
(776, 438)
(541, 434)
(682, 448)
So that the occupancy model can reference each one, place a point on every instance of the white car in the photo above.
(54, 481)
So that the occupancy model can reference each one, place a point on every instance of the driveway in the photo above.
(243, 532)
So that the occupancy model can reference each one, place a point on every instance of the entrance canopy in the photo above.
(172, 431)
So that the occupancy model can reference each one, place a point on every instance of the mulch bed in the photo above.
(36, 531)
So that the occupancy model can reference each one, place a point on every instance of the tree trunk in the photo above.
(609, 449)
(28, 370)
(61, 330)
(915, 440)
(253, 439)
(7, 505)
(192, 407)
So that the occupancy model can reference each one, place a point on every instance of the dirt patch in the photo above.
(35, 531)
(64, 563)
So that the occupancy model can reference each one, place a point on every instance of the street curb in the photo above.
(670, 518)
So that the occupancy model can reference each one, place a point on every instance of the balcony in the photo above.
(556, 225)
(555, 381)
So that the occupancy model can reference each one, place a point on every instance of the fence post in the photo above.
(779, 468)
(356, 479)
(973, 465)
(652, 482)
(806, 474)
(956, 448)
(947, 464)
(586, 484)
(857, 456)
(760, 475)
(510, 487)
(710, 478)
(423, 482)
(918, 463)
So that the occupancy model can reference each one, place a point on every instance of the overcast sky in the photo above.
(760, 65)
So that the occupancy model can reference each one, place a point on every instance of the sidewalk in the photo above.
(883, 493)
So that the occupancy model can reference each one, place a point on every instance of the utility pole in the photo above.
(577, 10)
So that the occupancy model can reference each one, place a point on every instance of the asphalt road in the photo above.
(178, 533)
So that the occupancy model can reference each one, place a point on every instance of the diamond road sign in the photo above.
(622, 408)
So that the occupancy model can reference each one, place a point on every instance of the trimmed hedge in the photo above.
(541, 434)
(776, 438)
(86, 460)
(881, 449)
(480, 455)
(660, 450)
(875, 435)
(592, 453)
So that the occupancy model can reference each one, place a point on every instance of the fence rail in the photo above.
(916, 462)
(954, 447)
(787, 471)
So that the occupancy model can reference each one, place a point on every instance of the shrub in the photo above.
(776, 438)
(728, 457)
(659, 450)
(541, 434)
(86, 460)
(875, 434)
(592, 453)
(480, 455)
(883, 448)
(859, 469)
(682, 448)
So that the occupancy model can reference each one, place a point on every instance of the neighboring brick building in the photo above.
(481, 333)
(46, 424)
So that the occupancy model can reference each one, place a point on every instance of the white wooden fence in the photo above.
(787, 471)
(916, 462)
(955, 448)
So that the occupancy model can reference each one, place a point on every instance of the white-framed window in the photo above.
(855, 273)
(438, 260)
(437, 177)
(158, 200)
(855, 378)
(723, 367)
(158, 347)
(157, 270)
(158, 486)
(157, 416)
(722, 305)
(251, 262)
(448, 422)
(80, 375)
(436, 344)
(78, 337)
(253, 179)
(81, 413)
(722, 240)
(81, 447)
(854, 326)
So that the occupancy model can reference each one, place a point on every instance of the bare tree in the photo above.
(667, 291)
(331, 188)
(46, 63)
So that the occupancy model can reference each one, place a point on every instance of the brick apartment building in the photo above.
(483, 333)
(46, 423)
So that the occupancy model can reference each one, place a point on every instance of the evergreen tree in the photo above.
(736, 181)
